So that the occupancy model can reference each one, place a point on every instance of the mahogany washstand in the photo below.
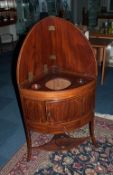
(56, 76)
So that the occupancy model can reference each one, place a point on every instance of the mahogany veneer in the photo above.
(56, 76)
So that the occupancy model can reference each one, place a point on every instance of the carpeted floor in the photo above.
(12, 135)
(104, 94)
(86, 159)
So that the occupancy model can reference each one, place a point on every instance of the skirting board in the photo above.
(106, 116)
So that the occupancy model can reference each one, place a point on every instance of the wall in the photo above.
(93, 7)
(77, 6)
(93, 10)
(28, 14)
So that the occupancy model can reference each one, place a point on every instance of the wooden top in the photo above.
(102, 42)
(6, 23)
(71, 86)
(95, 34)
(105, 16)
(55, 42)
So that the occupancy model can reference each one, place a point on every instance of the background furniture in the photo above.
(6, 39)
(100, 47)
(8, 13)
(56, 77)
(8, 17)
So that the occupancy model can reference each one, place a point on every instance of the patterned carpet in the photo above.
(86, 159)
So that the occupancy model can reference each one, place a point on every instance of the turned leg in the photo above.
(91, 130)
(29, 144)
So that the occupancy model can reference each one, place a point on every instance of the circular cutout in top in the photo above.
(57, 84)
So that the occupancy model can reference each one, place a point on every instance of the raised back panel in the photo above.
(55, 42)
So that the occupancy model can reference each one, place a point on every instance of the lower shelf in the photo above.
(61, 142)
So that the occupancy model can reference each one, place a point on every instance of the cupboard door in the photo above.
(70, 109)
(64, 110)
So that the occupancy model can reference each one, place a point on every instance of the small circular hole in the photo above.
(35, 86)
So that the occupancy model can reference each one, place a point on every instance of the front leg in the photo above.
(91, 130)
